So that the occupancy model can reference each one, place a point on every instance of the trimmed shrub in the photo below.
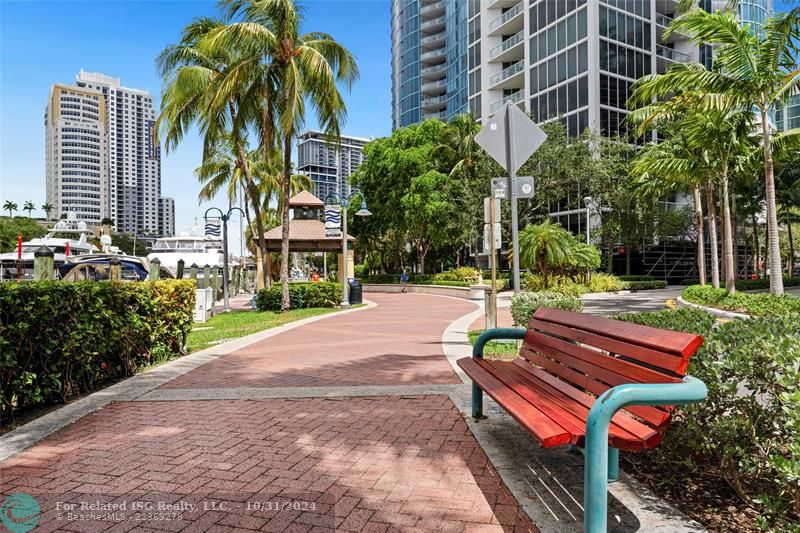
(467, 274)
(636, 278)
(751, 284)
(555, 284)
(646, 285)
(601, 282)
(686, 319)
(748, 430)
(86, 333)
(524, 304)
(761, 304)
(302, 295)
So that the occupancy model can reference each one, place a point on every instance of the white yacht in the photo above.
(67, 237)
(199, 250)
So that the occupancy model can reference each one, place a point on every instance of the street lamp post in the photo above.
(224, 217)
(344, 202)
(589, 203)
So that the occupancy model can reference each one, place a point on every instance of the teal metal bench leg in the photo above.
(602, 463)
(477, 402)
(613, 464)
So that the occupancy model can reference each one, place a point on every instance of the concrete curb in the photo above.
(137, 386)
(713, 310)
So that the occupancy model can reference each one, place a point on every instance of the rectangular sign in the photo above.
(498, 239)
(486, 210)
(333, 217)
(500, 188)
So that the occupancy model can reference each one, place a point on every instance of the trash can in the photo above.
(355, 291)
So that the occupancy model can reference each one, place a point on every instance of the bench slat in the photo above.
(652, 415)
(603, 364)
(631, 434)
(624, 432)
(673, 342)
(540, 425)
(661, 360)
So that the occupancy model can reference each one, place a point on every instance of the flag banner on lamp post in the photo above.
(333, 221)
(212, 227)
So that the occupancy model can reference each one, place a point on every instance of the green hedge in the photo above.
(60, 339)
(752, 284)
(645, 285)
(760, 304)
(636, 278)
(524, 304)
(302, 295)
(748, 430)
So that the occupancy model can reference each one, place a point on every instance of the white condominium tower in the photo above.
(77, 153)
(328, 164)
(133, 155)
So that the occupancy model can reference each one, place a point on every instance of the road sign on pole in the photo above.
(500, 188)
(487, 209)
(510, 137)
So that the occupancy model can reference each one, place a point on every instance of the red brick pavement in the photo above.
(350, 464)
(396, 343)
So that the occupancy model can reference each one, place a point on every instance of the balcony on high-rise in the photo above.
(509, 77)
(510, 49)
(514, 98)
(509, 22)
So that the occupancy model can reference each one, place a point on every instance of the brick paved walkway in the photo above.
(398, 342)
(370, 463)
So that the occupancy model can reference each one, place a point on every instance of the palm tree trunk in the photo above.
(254, 201)
(756, 248)
(286, 184)
(701, 238)
(712, 233)
(790, 237)
(727, 235)
(259, 270)
(775, 270)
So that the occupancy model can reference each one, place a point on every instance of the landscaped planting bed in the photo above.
(758, 304)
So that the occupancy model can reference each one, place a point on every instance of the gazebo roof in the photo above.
(305, 199)
(305, 236)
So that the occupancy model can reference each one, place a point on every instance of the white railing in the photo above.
(433, 53)
(434, 84)
(432, 7)
(433, 68)
(434, 101)
(507, 72)
(505, 17)
(672, 54)
(506, 45)
(433, 38)
(432, 22)
(663, 20)
(513, 98)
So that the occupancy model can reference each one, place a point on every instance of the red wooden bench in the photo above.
(587, 381)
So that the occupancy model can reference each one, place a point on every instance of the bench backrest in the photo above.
(595, 354)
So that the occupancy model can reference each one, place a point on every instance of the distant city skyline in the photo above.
(72, 36)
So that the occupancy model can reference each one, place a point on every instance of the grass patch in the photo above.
(227, 326)
(495, 350)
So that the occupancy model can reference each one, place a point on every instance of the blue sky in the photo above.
(43, 42)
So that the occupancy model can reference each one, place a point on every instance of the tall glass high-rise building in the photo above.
(429, 64)
(571, 60)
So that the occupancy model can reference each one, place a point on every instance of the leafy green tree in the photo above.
(428, 211)
(787, 184)
(29, 207)
(750, 71)
(47, 208)
(288, 71)
(10, 228)
(10, 206)
(545, 248)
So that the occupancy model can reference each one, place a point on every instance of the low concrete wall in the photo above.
(474, 292)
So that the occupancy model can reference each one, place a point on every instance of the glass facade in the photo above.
(559, 59)
(406, 82)
(755, 13)
(456, 54)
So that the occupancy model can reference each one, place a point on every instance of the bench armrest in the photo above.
(493, 334)
(690, 390)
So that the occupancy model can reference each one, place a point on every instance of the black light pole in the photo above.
(344, 201)
(224, 217)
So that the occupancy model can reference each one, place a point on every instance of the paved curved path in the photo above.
(386, 461)
(396, 343)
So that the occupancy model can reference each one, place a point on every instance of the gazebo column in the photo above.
(351, 270)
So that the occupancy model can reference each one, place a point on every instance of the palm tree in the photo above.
(788, 198)
(750, 71)
(672, 165)
(545, 246)
(192, 71)
(10, 207)
(288, 70)
(29, 207)
(46, 207)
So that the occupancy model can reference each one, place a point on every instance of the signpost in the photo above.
(510, 138)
